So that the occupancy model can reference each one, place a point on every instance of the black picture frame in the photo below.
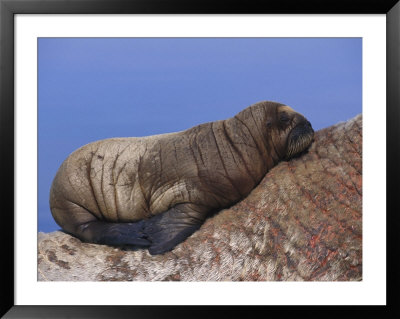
(8, 8)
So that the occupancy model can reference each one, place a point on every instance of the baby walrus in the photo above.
(156, 191)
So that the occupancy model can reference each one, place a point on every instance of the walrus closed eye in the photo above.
(156, 191)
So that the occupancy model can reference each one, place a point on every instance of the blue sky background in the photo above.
(96, 88)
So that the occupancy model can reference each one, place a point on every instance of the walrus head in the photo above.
(285, 132)
(295, 129)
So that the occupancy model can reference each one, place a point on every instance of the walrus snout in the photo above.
(300, 138)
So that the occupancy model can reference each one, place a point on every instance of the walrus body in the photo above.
(155, 191)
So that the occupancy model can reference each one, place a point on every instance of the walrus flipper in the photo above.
(113, 234)
(170, 228)
(159, 234)
(121, 234)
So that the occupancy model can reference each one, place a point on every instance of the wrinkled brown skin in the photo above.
(156, 191)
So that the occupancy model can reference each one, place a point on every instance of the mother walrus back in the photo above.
(155, 191)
